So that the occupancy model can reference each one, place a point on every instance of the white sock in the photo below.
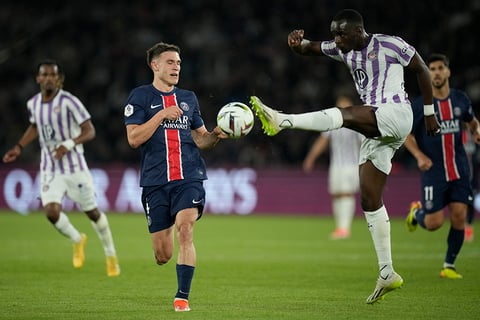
(104, 234)
(323, 120)
(64, 226)
(343, 211)
(379, 226)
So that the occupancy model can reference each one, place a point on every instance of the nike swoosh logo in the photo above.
(196, 201)
(155, 106)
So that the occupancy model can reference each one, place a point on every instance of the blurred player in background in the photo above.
(165, 122)
(376, 63)
(62, 124)
(446, 180)
(343, 179)
(471, 149)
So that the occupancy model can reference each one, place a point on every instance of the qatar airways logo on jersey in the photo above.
(450, 126)
(180, 123)
(361, 78)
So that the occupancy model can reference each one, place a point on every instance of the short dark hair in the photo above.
(158, 49)
(50, 62)
(438, 57)
(349, 15)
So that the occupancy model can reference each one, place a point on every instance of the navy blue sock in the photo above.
(184, 278)
(420, 217)
(454, 244)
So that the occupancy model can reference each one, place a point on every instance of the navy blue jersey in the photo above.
(446, 150)
(170, 154)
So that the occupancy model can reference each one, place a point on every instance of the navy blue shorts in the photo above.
(436, 194)
(162, 203)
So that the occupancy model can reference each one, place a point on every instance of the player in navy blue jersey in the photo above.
(165, 122)
(62, 124)
(377, 63)
(443, 162)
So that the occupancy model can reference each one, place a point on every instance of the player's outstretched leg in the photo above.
(268, 117)
(384, 286)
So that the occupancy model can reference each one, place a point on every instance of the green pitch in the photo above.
(249, 267)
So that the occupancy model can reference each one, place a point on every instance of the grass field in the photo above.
(249, 267)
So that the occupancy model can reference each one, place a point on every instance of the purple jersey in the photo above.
(446, 150)
(57, 121)
(171, 153)
(377, 69)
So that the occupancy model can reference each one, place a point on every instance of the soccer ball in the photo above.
(235, 119)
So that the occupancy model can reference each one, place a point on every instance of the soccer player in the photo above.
(471, 149)
(443, 162)
(344, 145)
(62, 124)
(165, 122)
(376, 63)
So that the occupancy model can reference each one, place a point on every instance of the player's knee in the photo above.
(52, 213)
(433, 225)
(162, 257)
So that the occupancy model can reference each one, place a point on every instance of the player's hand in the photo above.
(12, 154)
(432, 125)
(424, 163)
(219, 133)
(295, 38)
(172, 113)
(59, 152)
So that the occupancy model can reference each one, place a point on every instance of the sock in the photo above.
(64, 226)
(323, 120)
(184, 278)
(343, 211)
(454, 244)
(102, 228)
(420, 217)
(379, 226)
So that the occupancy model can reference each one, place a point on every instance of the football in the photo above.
(235, 119)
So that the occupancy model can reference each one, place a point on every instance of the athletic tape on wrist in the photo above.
(428, 110)
(69, 144)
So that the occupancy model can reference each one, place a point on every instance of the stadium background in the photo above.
(230, 50)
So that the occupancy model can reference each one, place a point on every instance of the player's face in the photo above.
(48, 77)
(439, 73)
(344, 35)
(167, 67)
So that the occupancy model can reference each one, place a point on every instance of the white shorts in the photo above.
(343, 179)
(394, 122)
(77, 186)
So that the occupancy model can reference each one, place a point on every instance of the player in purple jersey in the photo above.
(376, 63)
(62, 124)
(165, 122)
(343, 184)
(443, 162)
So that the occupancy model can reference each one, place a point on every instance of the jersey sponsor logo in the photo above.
(450, 126)
(154, 106)
(361, 78)
(128, 110)
(180, 123)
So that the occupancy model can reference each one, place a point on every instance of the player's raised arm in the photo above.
(302, 46)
